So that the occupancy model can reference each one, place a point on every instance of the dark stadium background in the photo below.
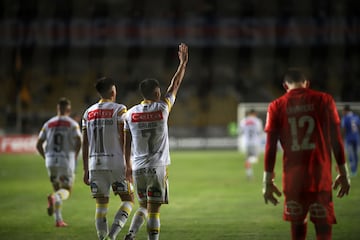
(238, 52)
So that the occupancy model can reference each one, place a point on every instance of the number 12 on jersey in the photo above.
(305, 124)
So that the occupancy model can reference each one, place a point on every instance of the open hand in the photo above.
(268, 192)
(344, 183)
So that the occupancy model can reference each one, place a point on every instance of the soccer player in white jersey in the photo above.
(63, 142)
(146, 131)
(103, 158)
(251, 129)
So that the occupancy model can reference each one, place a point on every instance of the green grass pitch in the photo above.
(210, 199)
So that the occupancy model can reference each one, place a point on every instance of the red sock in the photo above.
(323, 231)
(298, 231)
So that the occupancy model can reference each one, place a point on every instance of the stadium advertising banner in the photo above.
(196, 31)
(18, 144)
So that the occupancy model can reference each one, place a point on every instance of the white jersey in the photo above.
(60, 132)
(101, 123)
(147, 123)
(251, 129)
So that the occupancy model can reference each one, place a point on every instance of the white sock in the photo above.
(153, 226)
(120, 218)
(138, 220)
(100, 220)
(60, 195)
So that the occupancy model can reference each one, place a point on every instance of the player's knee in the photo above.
(128, 197)
(102, 200)
(154, 207)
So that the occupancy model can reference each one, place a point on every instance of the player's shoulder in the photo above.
(313, 92)
(52, 119)
(119, 107)
(135, 107)
(71, 120)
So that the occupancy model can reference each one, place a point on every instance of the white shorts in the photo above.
(252, 151)
(102, 180)
(61, 176)
(152, 184)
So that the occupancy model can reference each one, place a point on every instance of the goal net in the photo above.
(261, 109)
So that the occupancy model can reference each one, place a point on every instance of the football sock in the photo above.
(248, 169)
(323, 231)
(120, 218)
(138, 220)
(100, 220)
(298, 231)
(153, 226)
(60, 195)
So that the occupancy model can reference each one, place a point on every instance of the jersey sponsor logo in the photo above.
(100, 113)
(146, 116)
(59, 123)
(249, 122)
(142, 171)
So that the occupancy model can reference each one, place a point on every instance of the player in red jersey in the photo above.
(307, 125)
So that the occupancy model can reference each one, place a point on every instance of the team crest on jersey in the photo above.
(146, 116)
(100, 113)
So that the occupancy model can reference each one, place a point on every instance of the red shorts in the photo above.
(318, 205)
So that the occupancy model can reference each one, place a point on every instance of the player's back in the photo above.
(251, 128)
(147, 123)
(59, 132)
(101, 122)
(304, 119)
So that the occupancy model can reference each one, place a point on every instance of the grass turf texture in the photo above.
(210, 198)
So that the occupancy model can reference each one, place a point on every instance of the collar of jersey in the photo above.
(104, 100)
(146, 101)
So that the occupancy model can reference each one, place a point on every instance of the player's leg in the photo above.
(126, 194)
(351, 157)
(153, 224)
(61, 190)
(100, 189)
(137, 221)
(157, 194)
(322, 214)
(298, 230)
(356, 156)
(101, 224)
(141, 214)
(295, 211)
(58, 197)
(323, 231)
(251, 158)
(66, 180)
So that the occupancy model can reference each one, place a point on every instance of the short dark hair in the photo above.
(252, 111)
(103, 86)
(294, 75)
(147, 87)
(347, 107)
(63, 103)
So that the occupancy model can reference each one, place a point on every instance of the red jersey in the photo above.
(308, 125)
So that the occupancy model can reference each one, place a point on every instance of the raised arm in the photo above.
(179, 74)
